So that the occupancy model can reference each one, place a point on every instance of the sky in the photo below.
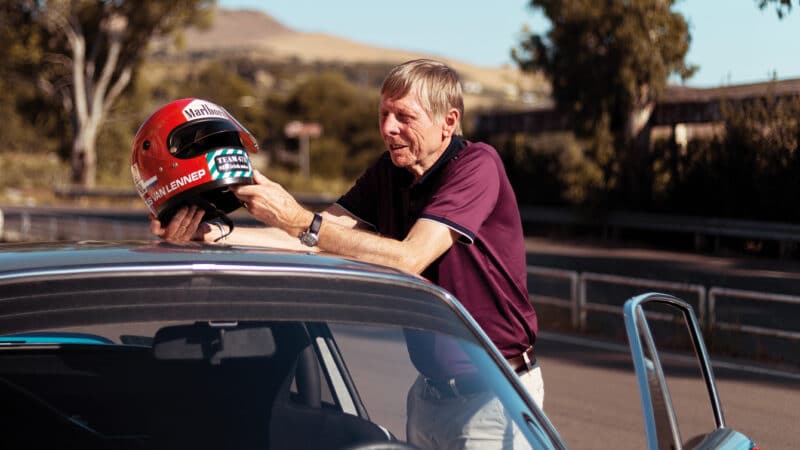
(733, 42)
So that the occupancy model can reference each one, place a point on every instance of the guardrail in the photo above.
(571, 302)
(787, 235)
(580, 303)
(714, 321)
(25, 224)
(53, 224)
(584, 305)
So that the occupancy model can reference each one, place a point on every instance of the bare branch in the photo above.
(118, 86)
(115, 29)
(79, 78)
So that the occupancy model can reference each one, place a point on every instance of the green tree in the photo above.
(88, 51)
(216, 82)
(348, 114)
(608, 61)
(749, 171)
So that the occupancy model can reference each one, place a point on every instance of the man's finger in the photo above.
(176, 220)
(259, 178)
(156, 228)
(194, 224)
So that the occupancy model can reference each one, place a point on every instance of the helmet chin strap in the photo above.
(212, 209)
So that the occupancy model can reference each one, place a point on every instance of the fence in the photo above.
(53, 224)
(579, 302)
(715, 293)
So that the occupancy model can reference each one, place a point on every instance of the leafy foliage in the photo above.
(607, 58)
(349, 119)
(83, 54)
(608, 62)
(748, 171)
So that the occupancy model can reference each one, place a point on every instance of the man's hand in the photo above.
(185, 226)
(269, 202)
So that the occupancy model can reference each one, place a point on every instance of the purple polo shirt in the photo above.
(468, 191)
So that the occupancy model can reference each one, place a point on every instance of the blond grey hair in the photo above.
(436, 85)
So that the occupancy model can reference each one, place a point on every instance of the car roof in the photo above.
(22, 257)
(77, 283)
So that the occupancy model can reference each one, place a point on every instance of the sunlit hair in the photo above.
(436, 85)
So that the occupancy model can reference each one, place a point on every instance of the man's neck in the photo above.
(419, 169)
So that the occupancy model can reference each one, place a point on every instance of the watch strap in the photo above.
(316, 224)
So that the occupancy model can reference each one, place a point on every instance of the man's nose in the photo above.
(389, 125)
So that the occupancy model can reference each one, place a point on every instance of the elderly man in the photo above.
(433, 204)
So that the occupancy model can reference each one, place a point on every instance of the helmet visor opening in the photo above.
(197, 138)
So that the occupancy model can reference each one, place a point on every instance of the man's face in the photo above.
(414, 139)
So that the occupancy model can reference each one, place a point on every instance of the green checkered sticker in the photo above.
(228, 163)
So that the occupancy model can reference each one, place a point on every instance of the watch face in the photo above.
(308, 239)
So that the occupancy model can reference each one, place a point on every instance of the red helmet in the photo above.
(189, 152)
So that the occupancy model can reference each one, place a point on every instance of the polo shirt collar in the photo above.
(455, 146)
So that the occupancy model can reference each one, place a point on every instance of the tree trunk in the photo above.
(636, 141)
(84, 157)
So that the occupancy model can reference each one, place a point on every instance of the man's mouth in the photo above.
(394, 147)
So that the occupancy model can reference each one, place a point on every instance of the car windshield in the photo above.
(235, 362)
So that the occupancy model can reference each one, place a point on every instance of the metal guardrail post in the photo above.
(25, 225)
(569, 275)
(703, 316)
(580, 305)
(573, 293)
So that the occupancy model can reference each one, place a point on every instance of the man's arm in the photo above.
(268, 236)
(186, 226)
(341, 233)
(426, 241)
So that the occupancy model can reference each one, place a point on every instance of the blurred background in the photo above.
(652, 145)
(612, 112)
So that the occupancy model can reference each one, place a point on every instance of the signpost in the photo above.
(303, 131)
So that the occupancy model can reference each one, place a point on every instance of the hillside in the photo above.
(258, 34)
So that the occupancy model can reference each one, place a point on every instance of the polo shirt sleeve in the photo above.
(467, 193)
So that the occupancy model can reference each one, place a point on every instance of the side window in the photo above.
(378, 362)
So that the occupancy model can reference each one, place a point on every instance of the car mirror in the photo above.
(213, 342)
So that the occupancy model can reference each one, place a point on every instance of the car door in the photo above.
(644, 314)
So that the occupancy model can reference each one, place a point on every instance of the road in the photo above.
(592, 398)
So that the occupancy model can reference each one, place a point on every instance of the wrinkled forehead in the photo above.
(409, 102)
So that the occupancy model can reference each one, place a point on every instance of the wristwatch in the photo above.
(310, 237)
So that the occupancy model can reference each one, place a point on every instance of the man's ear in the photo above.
(450, 121)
